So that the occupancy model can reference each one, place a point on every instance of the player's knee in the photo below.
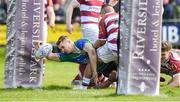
(175, 81)
(178, 81)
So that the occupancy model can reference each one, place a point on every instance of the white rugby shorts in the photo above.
(90, 31)
(105, 54)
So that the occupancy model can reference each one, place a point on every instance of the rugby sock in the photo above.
(86, 81)
(81, 72)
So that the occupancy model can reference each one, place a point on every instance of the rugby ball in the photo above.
(43, 51)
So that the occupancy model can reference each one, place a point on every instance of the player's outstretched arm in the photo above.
(53, 56)
(45, 51)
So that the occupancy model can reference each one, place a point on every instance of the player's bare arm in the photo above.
(69, 12)
(53, 56)
(99, 43)
(51, 14)
(113, 2)
(92, 58)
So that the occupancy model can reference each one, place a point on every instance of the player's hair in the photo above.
(106, 8)
(166, 46)
(61, 38)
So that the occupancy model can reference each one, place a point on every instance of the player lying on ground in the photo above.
(170, 63)
(81, 52)
(76, 52)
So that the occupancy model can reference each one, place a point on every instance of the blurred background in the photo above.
(170, 27)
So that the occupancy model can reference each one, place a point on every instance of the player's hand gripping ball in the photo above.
(43, 51)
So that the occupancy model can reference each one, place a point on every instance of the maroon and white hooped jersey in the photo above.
(108, 29)
(90, 11)
(173, 63)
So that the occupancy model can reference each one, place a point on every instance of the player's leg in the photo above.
(175, 81)
(78, 78)
(89, 32)
(86, 78)
(108, 82)
(109, 71)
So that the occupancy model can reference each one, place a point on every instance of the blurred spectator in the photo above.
(3, 11)
(59, 11)
(171, 9)
(3, 4)
(178, 2)
(176, 6)
(56, 4)
(76, 16)
(165, 2)
(168, 9)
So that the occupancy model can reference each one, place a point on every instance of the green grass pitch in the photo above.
(56, 87)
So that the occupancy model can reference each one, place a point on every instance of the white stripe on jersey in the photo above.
(89, 26)
(110, 18)
(112, 36)
(112, 26)
(112, 46)
(96, 9)
(176, 56)
(89, 19)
